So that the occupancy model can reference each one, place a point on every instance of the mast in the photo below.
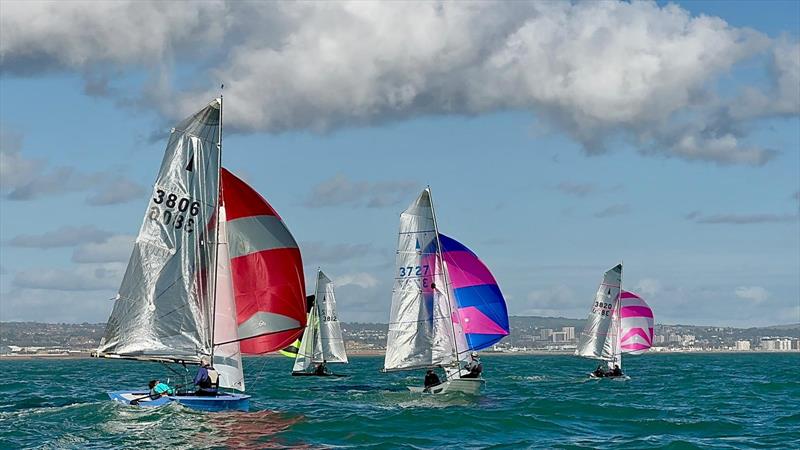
(319, 315)
(446, 278)
(216, 224)
(618, 321)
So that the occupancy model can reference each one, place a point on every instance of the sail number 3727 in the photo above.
(175, 210)
(414, 271)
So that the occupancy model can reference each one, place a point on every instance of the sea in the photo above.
(676, 401)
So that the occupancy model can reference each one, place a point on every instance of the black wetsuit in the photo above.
(431, 380)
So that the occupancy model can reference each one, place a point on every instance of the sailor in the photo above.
(617, 372)
(431, 379)
(159, 389)
(474, 366)
(599, 372)
(321, 369)
(207, 379)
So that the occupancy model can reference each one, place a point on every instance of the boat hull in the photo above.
(469, 386)
(618, 377)
(222, 402)
(311, 374)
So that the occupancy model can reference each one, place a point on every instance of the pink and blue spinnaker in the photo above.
(481, 307)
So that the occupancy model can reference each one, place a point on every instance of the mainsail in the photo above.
(164, 304)
(322, 340)
(420, 325)
(267, 270)
(636, 324)
(598, 339)
(330, 331)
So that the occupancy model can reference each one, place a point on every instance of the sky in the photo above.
(558, 139)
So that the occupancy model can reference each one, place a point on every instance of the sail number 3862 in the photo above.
(175, 210)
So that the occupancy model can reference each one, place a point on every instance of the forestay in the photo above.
(163, 307)
(597, 339)
(420, 325)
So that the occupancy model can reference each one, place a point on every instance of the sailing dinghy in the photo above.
(322, 342)
(445, 303)
(214, 273)
(619, 322)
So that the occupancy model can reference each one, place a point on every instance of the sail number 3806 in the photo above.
(175, 210)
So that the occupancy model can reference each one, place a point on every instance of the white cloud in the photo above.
(66, 236)
(24, 178)
(647, 287)
(755, 293)
(595, 70)
(114, 249)
(120, 190)
(81, 277)
(340, 190)
(363, 280)
(613, 210)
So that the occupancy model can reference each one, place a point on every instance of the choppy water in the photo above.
(672, 401)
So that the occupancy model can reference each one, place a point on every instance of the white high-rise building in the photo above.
(569, 333)
(742, 345)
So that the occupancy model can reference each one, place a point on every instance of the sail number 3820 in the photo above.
(175, 210)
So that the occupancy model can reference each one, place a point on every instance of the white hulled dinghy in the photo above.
(322, 342)
(445, 303)
(211, 277)
(619, 322)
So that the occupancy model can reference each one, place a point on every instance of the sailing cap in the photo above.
(204, 361)
(474, 354)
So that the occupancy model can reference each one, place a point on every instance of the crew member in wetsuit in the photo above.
(599, 372)
(159, 389)
(207, 379)
(474, 367)
(617, 372)
(321, 369)
(431, 379)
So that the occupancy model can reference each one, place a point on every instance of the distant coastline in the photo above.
(356, 354)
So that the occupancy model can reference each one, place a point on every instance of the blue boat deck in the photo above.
(222, 402)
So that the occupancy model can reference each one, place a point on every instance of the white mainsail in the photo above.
(332, 348)
(227, 357)
(421, 332)
(599, 339)
(309, 343)
(164, 305)
(322, 340)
